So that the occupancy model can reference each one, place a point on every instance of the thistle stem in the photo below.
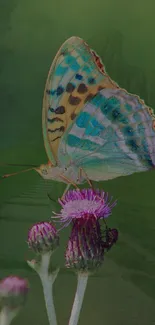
(48, 296)
(78, 300)
(7, 315)
(47, 281)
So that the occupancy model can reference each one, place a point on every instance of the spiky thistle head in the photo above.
(43, 237)
(84, 204)
(84, 209)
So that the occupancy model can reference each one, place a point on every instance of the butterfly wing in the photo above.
(114, 135)
(76, 74)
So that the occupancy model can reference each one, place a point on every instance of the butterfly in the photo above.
(92, 128)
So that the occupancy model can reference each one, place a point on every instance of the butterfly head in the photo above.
(44, 171)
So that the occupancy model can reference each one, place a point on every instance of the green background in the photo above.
(122, 33)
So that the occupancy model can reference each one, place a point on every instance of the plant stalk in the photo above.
(7, 315)
(78, 300)
(47, 281)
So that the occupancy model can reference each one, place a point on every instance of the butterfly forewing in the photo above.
(74, 78)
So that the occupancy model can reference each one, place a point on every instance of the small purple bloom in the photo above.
(84, 209)
(85, 203)
(43, 237)
(13, 291)
(85, 248)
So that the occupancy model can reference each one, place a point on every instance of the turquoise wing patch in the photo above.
(113, 135)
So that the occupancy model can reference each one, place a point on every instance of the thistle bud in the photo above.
(13, 292)
(43, 238)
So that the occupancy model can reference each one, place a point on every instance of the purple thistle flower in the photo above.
(85, 203)
(13, 291)
(110, 237)
(43, 237)
(85, 248)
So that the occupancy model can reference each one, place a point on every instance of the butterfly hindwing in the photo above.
(113, 135)
(74, 78)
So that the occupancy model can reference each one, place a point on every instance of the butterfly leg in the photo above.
(68, 180)
(65, 191)
(68, 185)
(85, 174)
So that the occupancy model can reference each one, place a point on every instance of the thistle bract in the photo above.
(43, 238)
(13, 292)
(85, 248)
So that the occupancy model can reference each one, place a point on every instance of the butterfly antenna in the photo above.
(18, 165)
(13, 174)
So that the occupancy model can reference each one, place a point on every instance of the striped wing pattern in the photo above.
(113, 135)
(75, 76)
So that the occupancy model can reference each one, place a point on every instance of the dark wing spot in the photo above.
(50, 92)
(73, 116)
(70, 87)
(78, 76)
(89, 97)
(133, 145)
(74, 100)
(91, 81)
(60, 110)
(64, 52)
(115, 114)
(129, 131)
(60, 90)
(82, 88)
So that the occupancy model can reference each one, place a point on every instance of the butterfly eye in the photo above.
(44, 171)
(65, 168)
